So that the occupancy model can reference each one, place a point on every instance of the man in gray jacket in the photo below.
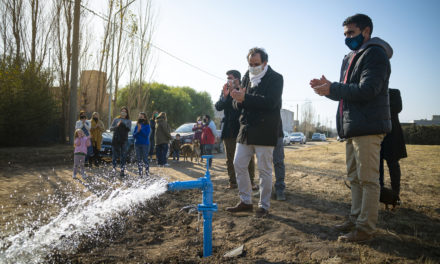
(363, 117)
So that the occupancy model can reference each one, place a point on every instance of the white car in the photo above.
(298, 137)
(286, 139)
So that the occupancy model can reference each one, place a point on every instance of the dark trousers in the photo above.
(119, 151)
(176, 154)
(394, 169)
(230, 144)
(161, 153)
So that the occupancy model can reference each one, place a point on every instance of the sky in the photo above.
(304, 39)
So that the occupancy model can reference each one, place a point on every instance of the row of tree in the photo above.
(182, 104)
(36, 36)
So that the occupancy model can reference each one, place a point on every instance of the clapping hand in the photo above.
(321, 86)
(239, 94)
(225, 90)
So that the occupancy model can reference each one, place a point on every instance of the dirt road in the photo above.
(36, 183)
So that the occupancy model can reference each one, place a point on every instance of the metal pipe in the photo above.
(207, 207)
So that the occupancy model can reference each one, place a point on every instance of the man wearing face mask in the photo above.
(259, 101)
(231, 125)
(363, 117)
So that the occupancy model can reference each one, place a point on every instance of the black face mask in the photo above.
(141, 121)
(82, 117)
(95, 118)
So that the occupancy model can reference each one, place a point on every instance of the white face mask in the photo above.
(255, 70)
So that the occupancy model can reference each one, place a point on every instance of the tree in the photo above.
(308, 117)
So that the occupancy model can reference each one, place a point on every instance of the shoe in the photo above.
(240, 207)
(255, 187)
(167, 165)
(122, 174)
(347, 226)
(114, 170)
(74, 177)
(355, 236)
(232, 186)
(261, 212)
(280, 196)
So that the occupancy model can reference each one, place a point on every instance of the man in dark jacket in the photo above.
(230, 129)
(363, 117)
(259, 100)
(393, 145)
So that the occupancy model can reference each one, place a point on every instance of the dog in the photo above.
(191, 150)
(387, 197)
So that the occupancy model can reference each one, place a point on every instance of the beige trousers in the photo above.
(362, 158)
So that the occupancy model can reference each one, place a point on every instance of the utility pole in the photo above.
(74, 70)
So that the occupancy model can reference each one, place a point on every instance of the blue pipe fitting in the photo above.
(207, 207)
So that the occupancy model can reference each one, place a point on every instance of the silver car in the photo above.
(298, 137)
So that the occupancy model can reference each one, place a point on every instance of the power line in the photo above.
(157, 47)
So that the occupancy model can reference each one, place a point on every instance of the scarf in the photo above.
(256, 79)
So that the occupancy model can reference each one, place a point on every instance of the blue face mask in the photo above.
(355, 43)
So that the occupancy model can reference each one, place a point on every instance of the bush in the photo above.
(422, 135)
(26, 105)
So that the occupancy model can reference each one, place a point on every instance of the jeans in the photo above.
(208, 151)
(161, 153)
(176, 154)
(362, 158)
(278, 164)
(142, 157)
(243, 155)
(120, 151)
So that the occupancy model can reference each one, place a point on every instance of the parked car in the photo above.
(323, 138)
(186, 136)
(298, 137)
(106, 146)
(316, 137)
(286, 139)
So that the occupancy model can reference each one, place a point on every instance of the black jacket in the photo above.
(365, 107)
(260, 110)
(393, 145)
(231, 125)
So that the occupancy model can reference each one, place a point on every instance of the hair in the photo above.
(261, 51)
(95, 113)
(75, 136)
(126, 109)
(199, 118)
(360, 20)
(235, 73)
(82, 113)
(177, 135)
(143, 113)
(207, 116)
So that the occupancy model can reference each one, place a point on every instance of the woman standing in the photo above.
(141, 136)
(162, 137)
(152, 134)
(85, 126)
(96, 130)
(121, 125)
(393, 145)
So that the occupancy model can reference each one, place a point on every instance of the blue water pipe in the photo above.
(207, 207)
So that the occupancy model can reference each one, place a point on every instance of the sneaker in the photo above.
(167, 165)
(355, 236)
(122, 174)
(347, 226)
(280, 196)
(261, 212)
(232, 186)
(114, 170)
(74, 177)
(240, 207)
(255, 187)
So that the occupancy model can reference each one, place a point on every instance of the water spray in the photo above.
(207, 207)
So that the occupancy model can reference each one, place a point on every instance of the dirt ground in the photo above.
(36, 182)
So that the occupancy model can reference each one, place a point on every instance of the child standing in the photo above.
(80, 152)
(141, 135)
(175, 147)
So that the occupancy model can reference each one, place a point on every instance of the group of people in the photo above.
(150, 137)
(253, 126)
